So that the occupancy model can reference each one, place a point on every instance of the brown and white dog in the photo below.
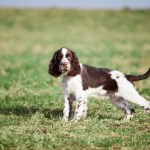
(82, 81)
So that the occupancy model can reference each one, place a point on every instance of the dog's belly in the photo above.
(95, 92)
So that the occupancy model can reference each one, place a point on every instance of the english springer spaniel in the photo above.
(81, 81)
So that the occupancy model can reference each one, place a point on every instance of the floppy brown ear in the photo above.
(75, 66)
(54, 66)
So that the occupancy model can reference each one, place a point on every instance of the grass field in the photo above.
(31, 101)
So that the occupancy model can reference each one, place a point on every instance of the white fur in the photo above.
(64, 60)
(64, 51)
(73, 85)
(66, 108)
(95, 92)
(127, 90)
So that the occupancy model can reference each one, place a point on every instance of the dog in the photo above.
(80, 81)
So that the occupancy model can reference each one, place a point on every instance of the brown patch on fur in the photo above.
(95, 77)
(75, 66)
(54, 64)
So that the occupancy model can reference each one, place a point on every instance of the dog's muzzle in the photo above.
(64, 67)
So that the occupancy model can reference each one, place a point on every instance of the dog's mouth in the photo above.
(64, 69)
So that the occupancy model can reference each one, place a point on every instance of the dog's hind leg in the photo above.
(124, 105)
(127, 91)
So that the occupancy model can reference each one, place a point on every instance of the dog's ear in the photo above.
(75, 66)
(54, 65)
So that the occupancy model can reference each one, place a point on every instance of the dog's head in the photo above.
(64, 62)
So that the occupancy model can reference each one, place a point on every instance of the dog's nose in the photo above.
(64, 64)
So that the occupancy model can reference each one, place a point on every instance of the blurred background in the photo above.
(84, 4)
(112, 34)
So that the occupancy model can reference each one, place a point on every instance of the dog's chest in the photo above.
(72, 84)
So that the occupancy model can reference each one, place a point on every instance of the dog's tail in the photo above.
(138, 77)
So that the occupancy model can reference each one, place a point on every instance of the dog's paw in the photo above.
(128, 117)
(65, 118)
(147, 110)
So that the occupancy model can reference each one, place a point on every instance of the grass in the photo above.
(31, 101)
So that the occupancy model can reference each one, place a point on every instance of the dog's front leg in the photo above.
(81, 108)
(66, 108)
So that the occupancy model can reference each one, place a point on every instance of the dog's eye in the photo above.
(68, 57)
(59, 57)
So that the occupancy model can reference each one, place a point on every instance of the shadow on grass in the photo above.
(52, 113)
(19, 110)
(104, 116)
(49, 113)
(29, 111)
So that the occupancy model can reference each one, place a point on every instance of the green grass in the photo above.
(31, 101)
